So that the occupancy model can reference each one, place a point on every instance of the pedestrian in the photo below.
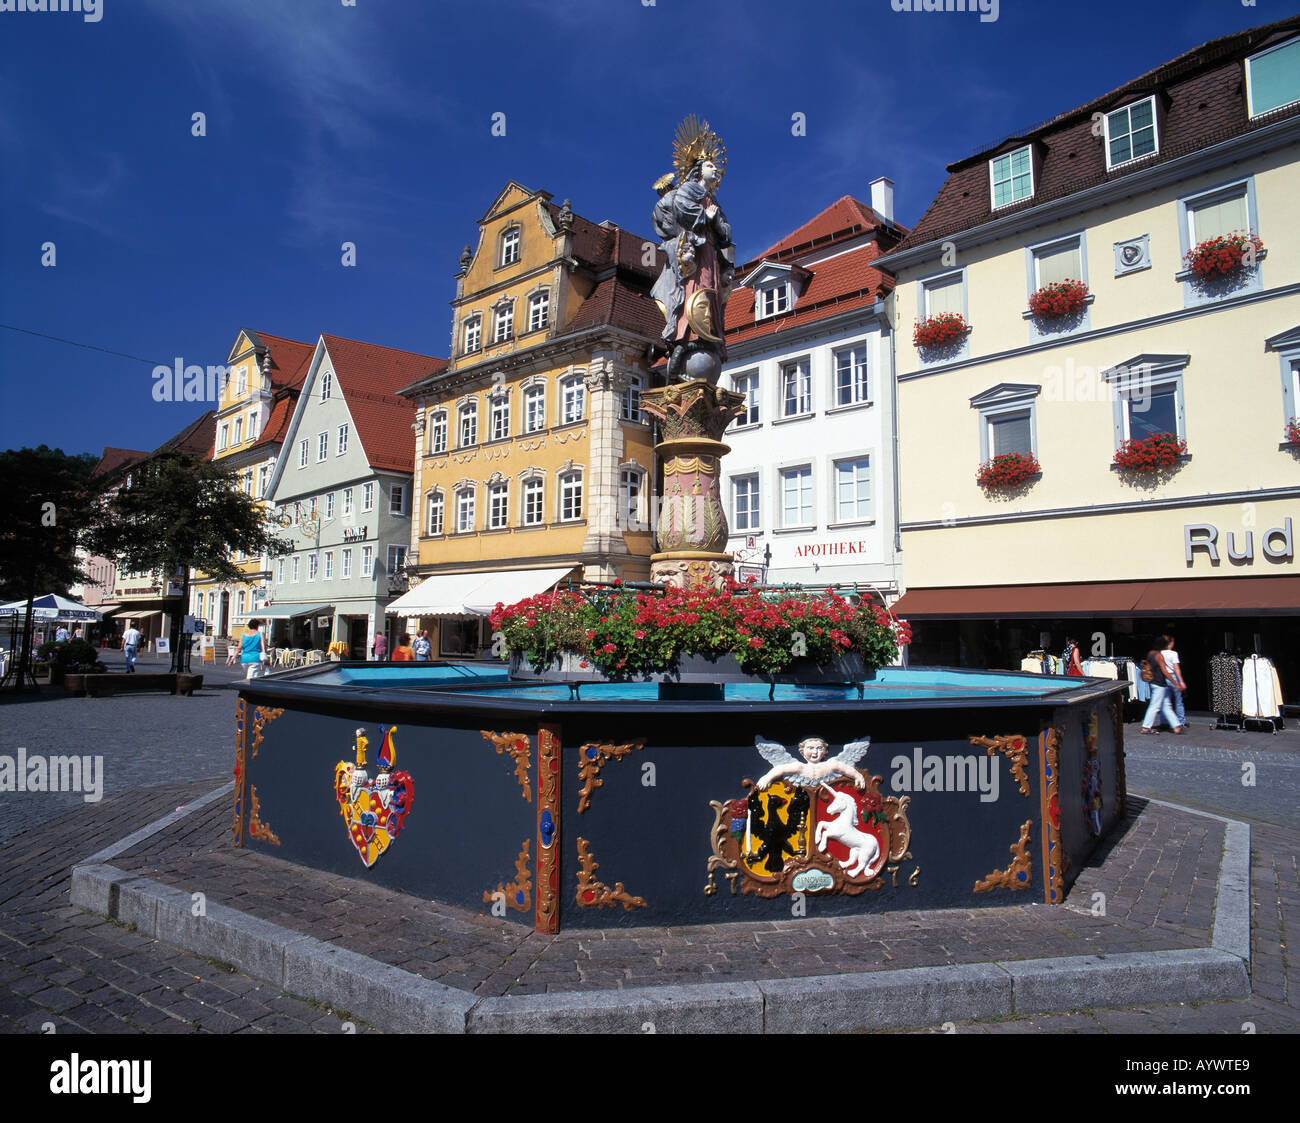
(131, 646)
(380, 647)
(1071, 659)
(403, 653)
(1160, 704)
(77, 634)
(1177, 684)
(422, 646)
(252, 649)
(61, 634)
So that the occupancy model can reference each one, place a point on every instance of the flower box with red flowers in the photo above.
(939, 330)
(1224, 255)
(1008, 470)
(1151, 454)
(1293, 431)
(1059, 299)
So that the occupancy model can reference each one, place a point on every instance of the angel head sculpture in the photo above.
(815, 768)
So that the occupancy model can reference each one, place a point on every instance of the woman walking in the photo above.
(1160, 704)
(252, 649)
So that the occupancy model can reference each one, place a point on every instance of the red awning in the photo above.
(1208, 596)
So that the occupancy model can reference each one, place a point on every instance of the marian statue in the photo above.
(692, 291)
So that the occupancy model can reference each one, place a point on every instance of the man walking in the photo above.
(131, 646)
(422, 646)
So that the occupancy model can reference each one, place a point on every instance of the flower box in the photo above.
(1224, 255)
(1293, 431)
(939, 330)
(1152, 454)
(1011, 469)
(1059, 299)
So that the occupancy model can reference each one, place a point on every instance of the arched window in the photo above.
(473, 338)
(503, 322)
(535, 408)
(436, 509)
(326, 381)
(438, 432)
(500, 415)
(465, 511)
(467, 424)
(573, 399)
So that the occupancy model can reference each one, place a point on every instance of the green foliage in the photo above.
(71, 656)
(46, 504)
(180, 512)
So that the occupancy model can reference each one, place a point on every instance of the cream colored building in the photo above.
(1114, 194)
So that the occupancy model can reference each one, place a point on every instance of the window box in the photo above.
(1060, 299)
(1011, 469)
(1224, 255)
(1293, 431)
(1158, 452)
(939, 330)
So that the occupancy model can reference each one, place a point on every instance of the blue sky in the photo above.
(372, 124)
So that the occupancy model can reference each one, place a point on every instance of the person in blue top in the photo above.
(252, 649)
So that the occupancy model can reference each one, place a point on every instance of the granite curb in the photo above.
(398, 1000)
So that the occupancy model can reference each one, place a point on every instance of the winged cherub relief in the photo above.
(815, 768)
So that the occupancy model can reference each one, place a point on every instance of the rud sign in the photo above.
(1278, 544)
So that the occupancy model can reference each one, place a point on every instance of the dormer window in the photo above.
(510, 246)
(1131, 133)
(773, 300)
(1012, 177)
(1273, 78)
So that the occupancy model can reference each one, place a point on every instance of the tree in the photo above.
(47, 506)
(176, 512)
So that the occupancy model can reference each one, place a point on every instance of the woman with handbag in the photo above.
(252, 649)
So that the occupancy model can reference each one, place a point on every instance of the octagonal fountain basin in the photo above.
(559, 805)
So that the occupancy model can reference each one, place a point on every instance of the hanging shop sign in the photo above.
(354, 534)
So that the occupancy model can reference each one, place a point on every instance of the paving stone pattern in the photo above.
(69, 971)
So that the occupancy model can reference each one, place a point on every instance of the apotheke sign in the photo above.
(355, 534)
(1277, 543)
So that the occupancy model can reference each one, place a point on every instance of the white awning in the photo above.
(474, 594)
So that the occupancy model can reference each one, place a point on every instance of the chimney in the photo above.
(882, 197)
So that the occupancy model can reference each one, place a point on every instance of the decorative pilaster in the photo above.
(691, 535)
(604, 536)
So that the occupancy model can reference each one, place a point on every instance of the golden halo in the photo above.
(695, 141)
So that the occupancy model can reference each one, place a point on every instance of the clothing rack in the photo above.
(1223, 719)
(1254, 662)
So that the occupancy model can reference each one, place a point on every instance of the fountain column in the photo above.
(691, 533)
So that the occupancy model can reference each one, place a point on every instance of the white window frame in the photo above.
(368, 496)
(472, 339)
(748, 383)
(512, 243)
(467, 424)
(438, 433)
(750, 521)
(774, 300)
(859, 376)
(341, 440)
(329, 504)
(345, 563)
(573, 392)
(465, 513)
(436, 503)
(326, 379)
(253, 417)
(782, 475)
(1250, 99)
(279, 580)
(503, 322)
(999, 402)
(837, 501)
(1137, 379)
(328, 573)
(535, 418)
(569, 493)
(304, 451)
(347, 502)
(533, 488)
(223, 437)
(322, 446)
(498, 508)
(499, 416)
(1128, 111)
(631, 493)
(241, 382)
(263, 478)
(1009, 157)
(368, 563)
(630, 402)
(294, 569)
(397, 499)
(539, 310)
(395, 560)
(802, 370)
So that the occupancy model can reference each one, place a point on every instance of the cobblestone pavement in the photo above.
(68, 971)
(76, 970)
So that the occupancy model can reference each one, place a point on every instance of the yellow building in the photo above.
(534, 461)
(264, 375)
(1117, 194)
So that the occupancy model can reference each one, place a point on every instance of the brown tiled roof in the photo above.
(1204, 96)
(369, 377)
(290, 361)
(621, 303)
(115, 459)
(839, 284)
(597, 246)
(195, 439)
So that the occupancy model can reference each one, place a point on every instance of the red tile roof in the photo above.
(115, 459)
(290, 361)
(1204, 103)
(195, 439)
(369, 377)
(838, 284)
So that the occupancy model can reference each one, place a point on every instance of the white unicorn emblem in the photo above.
(864, 850)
